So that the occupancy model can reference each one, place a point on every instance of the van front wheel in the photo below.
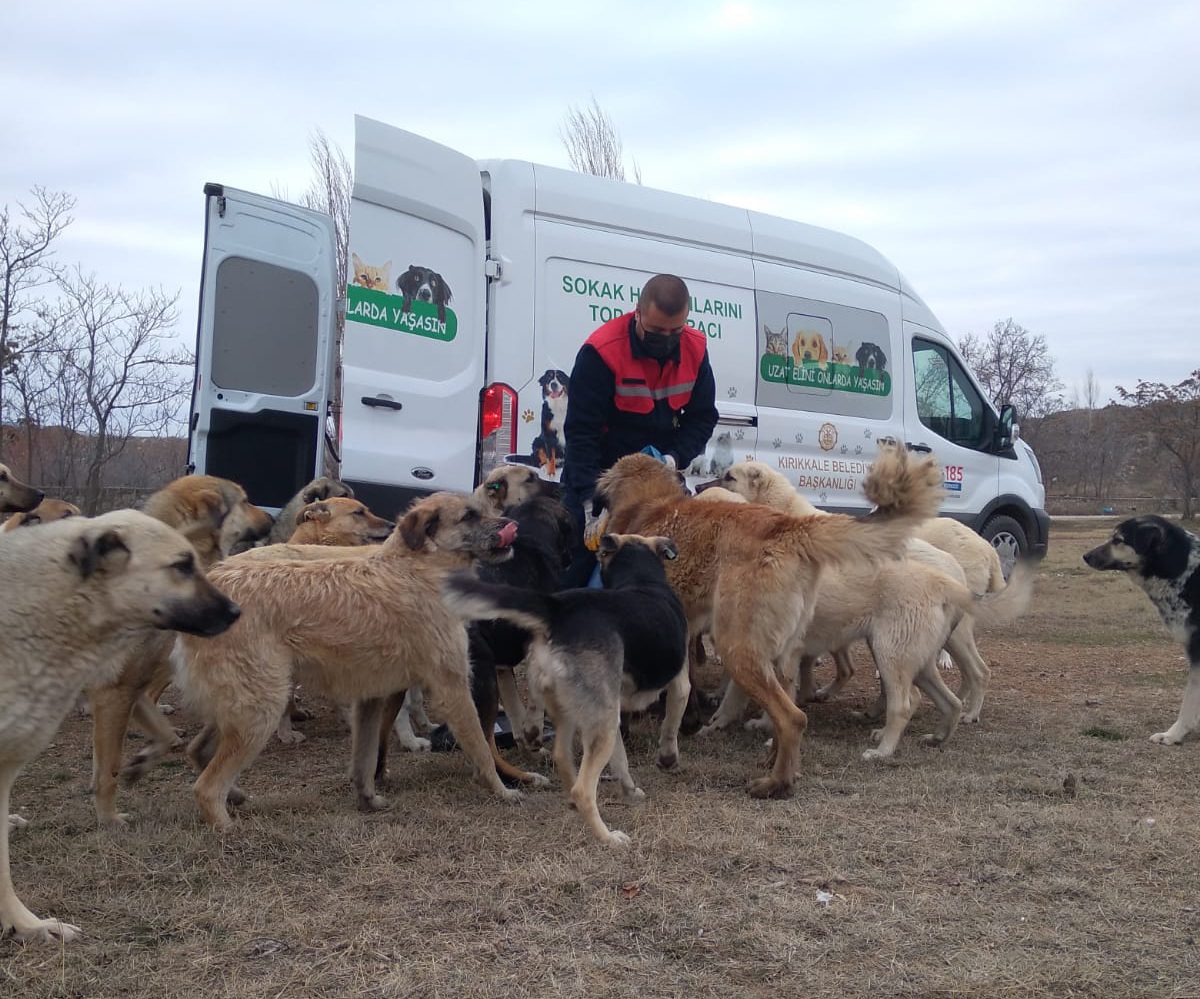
(1007, 536)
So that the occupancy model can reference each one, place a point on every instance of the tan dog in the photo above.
(977, 562)
(15, 495)
(77, 594)
(46, 512)
(359, 627)
(321, 488)
(339, 521)
(748, 574)
(809, 348)
(214, 515)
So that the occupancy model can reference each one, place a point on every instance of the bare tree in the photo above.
(26, 242)
(593, 143)
(1172, 414)
(109, 370)
(1015, 366)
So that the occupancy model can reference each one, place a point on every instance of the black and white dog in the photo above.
(594, 653)
(1163, 558)
(550, 446)
(870, 356)
(423, 285)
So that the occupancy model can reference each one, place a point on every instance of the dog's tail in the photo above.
(1003, 606)
(906, 490)
(474, 600)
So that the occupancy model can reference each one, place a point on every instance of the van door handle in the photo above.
(923, 448)
(379, 402)
(737, 421)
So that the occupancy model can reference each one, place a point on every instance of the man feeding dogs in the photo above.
(641, 380)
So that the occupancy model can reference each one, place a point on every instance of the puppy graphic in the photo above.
(368, 276)
(550, 446)
(809, 348)
(870, 358)
(423, 284)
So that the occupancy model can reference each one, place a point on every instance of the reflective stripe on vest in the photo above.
(658, 393)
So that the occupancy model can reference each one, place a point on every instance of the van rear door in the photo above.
(413, 360)
(264, 344)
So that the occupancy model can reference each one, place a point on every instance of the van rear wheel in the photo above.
(1007, 536)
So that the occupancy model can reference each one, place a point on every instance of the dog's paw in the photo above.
(1167, 738)
(668, 761)
(16, 822)
(47, 931)
(770, 787)
(372, 803)
(115, 822)
(538, 780)
(617, 838)
(876, 735)
(933, 739)
(821, 695)
(969, 718)
(299, 714)
(417, 744)
(761, 723)
(166, 709)
(236, 796)
(291, 737)
(634, 795)
(511, 795)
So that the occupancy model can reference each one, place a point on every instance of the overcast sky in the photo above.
(1035, 160)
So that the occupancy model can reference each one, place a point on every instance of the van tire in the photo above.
(1007, 536)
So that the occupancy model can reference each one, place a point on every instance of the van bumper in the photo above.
(1039, 544)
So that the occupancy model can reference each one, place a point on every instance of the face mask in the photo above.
(660, 346)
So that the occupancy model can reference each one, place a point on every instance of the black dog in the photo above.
(594, 652)
(424, 285)
(1162, 558)
(870, 356)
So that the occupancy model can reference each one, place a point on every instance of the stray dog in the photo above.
(321, 488)
(809, 348)
(1162, 558)
(339, 521)
(361, 627)
(15, 496)
(46, 512)
(423, 284)
(870, 357)
(748, 574)
(215, 516)
(595, 652)
(77, 594)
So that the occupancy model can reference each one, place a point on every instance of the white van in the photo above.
(472, 287)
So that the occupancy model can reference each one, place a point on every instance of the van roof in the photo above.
(646, 211)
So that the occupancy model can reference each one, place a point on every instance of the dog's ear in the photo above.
(105, 552)
(666, 549)
(339, 488)
(419, 525)
(314, 491)
(211, 505)
(318, 512)
(1151, 536)
(608, 545)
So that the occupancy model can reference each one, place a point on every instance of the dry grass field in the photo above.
(969, 870)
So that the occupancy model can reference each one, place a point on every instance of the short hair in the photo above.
(667, 292)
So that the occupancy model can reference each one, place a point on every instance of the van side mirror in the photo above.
(1006, 428)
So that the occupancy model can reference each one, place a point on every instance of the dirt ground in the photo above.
(970, 870)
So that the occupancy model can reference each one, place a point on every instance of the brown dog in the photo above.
(748, 574)
(359, 627)
(321, 488)
(15, 496)
(46, 512)
(339, 521)
(214, 515)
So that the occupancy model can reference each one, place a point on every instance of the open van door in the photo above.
(264, 344)
(413, 358)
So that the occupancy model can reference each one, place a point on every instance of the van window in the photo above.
(947, 402)
(264, 328)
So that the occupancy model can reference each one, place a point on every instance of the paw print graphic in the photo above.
(776, 443)
(731, 392)
(867, 433)
(858, 449)
(844, 448)
(799, 438)
(823, 497)
(739, 435)
(749, 457)
(527, 416)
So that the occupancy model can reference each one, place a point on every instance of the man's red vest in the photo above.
(642, 381)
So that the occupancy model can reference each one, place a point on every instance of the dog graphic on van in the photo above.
(870, 358)
(370, 276)
(423, 284)
(550, 446)
(809, 348)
